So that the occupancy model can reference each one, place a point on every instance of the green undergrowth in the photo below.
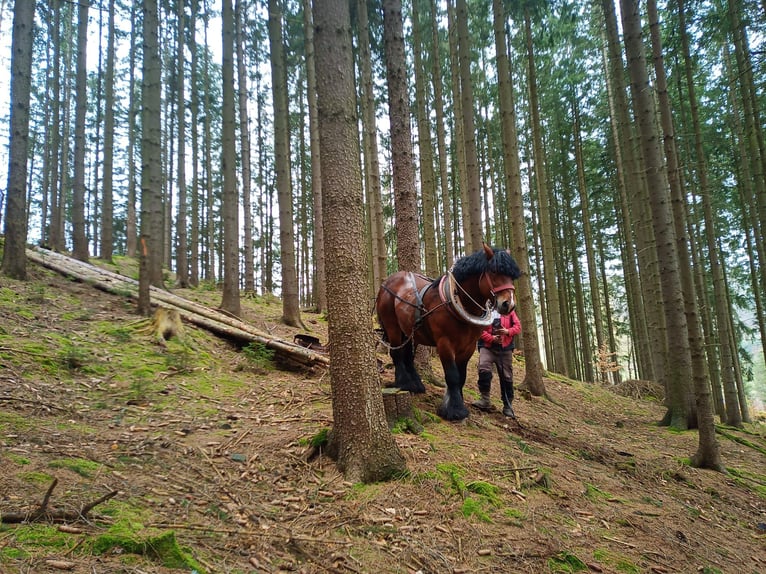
(720, 430)
(480, 498)
(616, 562)
(125, 536)
(565, 562)
(127, 533)
(751, 480)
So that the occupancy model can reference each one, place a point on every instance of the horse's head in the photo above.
(498, 277)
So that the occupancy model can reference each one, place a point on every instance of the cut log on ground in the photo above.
(287, 353)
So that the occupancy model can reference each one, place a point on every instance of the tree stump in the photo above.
(398, 406)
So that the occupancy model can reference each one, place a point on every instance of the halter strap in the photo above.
(448, 296)
(494, 290)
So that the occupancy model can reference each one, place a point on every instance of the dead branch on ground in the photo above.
(42, 512)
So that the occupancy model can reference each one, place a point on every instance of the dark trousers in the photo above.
(503, 361)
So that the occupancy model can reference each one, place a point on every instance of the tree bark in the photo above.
(79, 236)
(290, 301)
(14, 249)
(230, 301)
(360, 440)
(533, 372)
(405, 196)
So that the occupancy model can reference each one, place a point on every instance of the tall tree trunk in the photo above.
(55, 131)
(150, 241)
(244, 143)
(460, 178)
(405, 198)
(533, 372)
(182, 236)
(631, 183)
(426, 155)
(360, 440)
(441, 139)
(469, 128)
(733, 414)
(79, 236)
(290, 301)
(131, 224)
(194, 227)
(230, 300)
(678, 371)
(320, 283)
(370, 151)
(546, 226)
(107, 208)
(14, 249)
(585, 214)
(207, 138)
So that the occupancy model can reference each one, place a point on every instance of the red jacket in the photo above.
(510, 322)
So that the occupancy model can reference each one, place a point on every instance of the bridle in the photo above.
(496, 289)
(449, 294)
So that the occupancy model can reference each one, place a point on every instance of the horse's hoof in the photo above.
(414, 389)
(452, 415)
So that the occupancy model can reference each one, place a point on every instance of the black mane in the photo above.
(476, 263)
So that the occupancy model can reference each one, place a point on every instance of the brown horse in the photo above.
(448, 313)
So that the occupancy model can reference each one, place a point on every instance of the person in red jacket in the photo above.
(496, 348)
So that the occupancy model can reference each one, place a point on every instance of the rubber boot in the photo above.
(484, 403)
(485, 382)
(506, 393)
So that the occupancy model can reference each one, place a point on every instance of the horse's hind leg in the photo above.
(406, 376)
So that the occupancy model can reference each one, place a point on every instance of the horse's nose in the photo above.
(505, 307)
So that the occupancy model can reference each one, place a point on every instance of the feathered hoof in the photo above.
(452, 414)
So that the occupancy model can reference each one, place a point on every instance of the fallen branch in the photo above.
(42, 512)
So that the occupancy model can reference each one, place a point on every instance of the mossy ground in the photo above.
(206, 451)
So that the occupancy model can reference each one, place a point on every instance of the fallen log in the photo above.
(212, 320)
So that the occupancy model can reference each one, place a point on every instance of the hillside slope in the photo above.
(202, 448)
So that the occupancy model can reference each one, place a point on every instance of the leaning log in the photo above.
(207, 318)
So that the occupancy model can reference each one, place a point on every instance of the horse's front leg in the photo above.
(453, 408)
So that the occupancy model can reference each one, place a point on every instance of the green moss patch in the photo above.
(162, 547)
(86, 468)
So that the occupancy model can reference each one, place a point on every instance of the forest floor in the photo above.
(199, 451)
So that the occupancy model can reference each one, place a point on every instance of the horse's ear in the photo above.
(488, 251)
